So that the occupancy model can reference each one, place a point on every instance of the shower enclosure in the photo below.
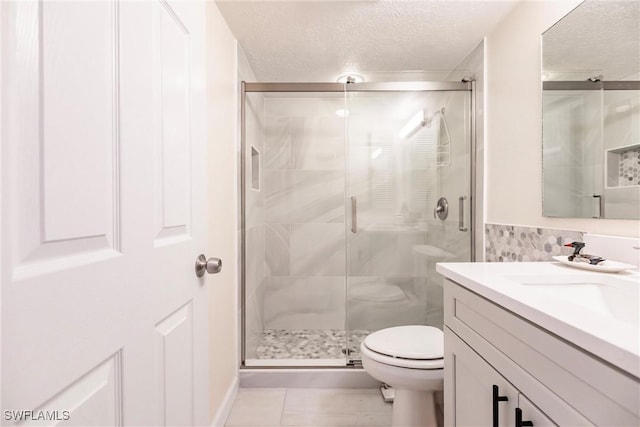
(351, 193)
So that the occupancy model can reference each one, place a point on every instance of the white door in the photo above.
(103, 139)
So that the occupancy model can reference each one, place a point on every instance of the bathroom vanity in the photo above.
(540, 344)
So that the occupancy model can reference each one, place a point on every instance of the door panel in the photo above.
(79, 136)
(172, 154)
(64, 118)
(102, 314)
(174, 344)
(97, 395)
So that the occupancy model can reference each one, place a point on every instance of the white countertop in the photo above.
(596, 331)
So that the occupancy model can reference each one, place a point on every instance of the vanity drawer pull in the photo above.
(519, 422)
(496, 400)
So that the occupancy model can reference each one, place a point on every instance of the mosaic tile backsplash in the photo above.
(629, 169)
(511, 243)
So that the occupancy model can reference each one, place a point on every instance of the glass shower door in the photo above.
(572, 153)
(405, 151)
(293, 227)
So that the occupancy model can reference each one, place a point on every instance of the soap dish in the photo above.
(606, 266)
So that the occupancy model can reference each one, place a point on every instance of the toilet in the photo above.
(410, 359)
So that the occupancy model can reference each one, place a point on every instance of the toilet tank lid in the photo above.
(415, 342)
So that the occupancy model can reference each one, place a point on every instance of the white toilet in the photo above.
(410, 359)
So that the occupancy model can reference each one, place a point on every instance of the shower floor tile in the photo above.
(309, 344)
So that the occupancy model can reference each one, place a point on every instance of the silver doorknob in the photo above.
(211, 265)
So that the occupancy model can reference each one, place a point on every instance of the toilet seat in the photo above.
(414, 347)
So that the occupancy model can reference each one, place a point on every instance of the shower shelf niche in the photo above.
(623, 166)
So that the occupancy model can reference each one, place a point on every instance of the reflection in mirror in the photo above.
(591, 112)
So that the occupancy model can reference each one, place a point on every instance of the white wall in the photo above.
(222, 122)
(513, 123)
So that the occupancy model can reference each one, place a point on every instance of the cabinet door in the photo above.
(531, 413)
(469, 387)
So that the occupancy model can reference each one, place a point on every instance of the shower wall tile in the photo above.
(376, 302)
(277, 247)
(254, 216)
(253, 325)
(304, 134)
(254, 282)
(435, 317)
(372, 253)
(319, 153)
(304, 143)
(508, 243)
(317, 250)
(304, 303)
(410, 260)
(620, 111)
(320, 145)
(254, 266)
(304, 196)
(360, 173)
(435, 299)
(254, 123)
(386, 253)
(279, 132)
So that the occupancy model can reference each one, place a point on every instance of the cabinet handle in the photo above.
(519, 422)
(497, 399)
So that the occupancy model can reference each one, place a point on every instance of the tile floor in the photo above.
(306, 407)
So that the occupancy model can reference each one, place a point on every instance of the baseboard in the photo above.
(227, 403)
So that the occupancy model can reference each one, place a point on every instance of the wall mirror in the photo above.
(591, 112)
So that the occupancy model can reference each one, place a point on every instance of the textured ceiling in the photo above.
(597, 37)
(318, 40)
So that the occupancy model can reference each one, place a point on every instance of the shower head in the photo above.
(421, 119)
(416, 122)
(428, 120)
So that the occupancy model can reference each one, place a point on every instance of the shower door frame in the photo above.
(426, 86)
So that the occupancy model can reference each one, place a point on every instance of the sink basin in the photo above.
(617, 298)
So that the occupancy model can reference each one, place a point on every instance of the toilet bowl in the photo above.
(410, 359)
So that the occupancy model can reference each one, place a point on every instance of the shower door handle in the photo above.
(461, 226)
(354, 214)
(600, 206)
